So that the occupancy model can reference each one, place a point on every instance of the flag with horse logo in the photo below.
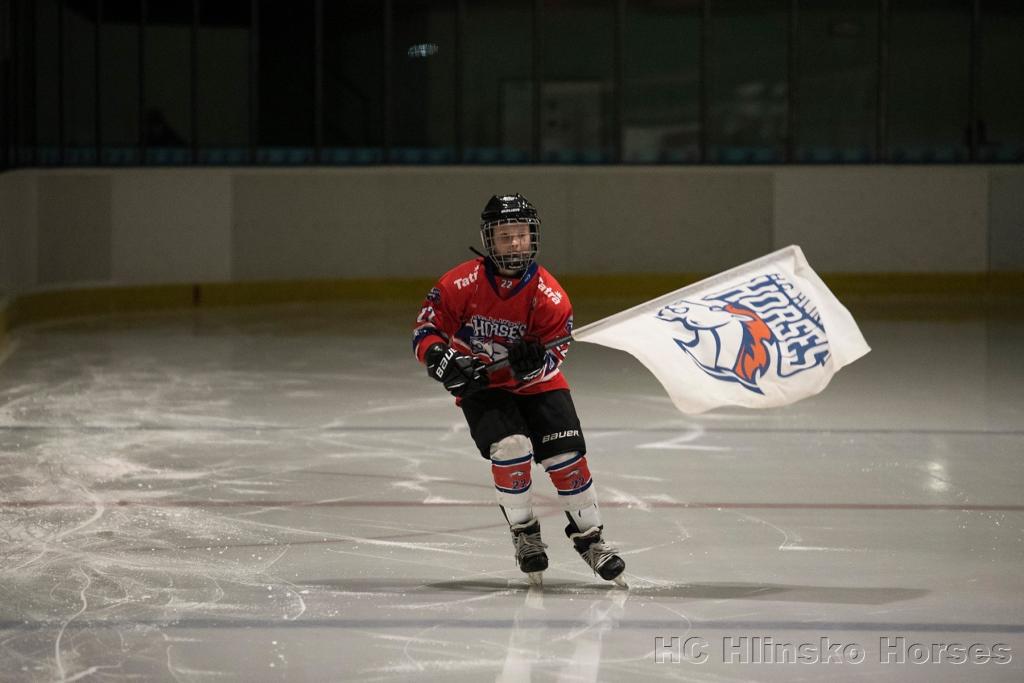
(764, 334)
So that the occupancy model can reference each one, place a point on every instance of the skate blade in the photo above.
(536, 578)
(620, 581)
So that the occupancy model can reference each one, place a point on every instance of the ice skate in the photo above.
(601, 557)
(530, 550)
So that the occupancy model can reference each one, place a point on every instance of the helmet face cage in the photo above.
(512, 261)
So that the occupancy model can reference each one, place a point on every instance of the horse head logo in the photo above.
(492, 349)
(727, 341)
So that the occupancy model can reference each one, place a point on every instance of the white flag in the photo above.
(764, 334)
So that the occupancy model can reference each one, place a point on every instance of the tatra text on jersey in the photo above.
(461, 282)
(553, 294)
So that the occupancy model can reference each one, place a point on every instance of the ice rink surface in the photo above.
(281, 494)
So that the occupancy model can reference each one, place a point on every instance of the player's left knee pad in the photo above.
(570, 474)
(511, 459)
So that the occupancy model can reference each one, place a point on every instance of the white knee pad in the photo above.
(511, 448)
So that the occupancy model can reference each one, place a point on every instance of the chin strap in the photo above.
(477, 252)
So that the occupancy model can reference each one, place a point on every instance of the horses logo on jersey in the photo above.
(740, 334)
(491, 337)
(494, 350)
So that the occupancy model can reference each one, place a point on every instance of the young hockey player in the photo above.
(500, 306)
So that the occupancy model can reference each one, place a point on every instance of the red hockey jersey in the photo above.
(482, 313)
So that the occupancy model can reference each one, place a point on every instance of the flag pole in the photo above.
(503, 363)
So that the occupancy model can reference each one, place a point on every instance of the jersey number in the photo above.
(426, 315)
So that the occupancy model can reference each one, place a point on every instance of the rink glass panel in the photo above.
(223, 88)
(353, 82)
(285, 87)
(78, 87)
(929, 80)
(167, 98)
(1001, 82)
(661, 82)
(747, 81)
(837, 53)
(119, 66)
(422, 59)
(497, 82)
(170, 82)
(577, 98)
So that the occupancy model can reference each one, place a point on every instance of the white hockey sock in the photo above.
(517, 515)
(511, 463)
(570, 475)
(585, 518)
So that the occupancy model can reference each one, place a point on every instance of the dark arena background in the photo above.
(220, 460)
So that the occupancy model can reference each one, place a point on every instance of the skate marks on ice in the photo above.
(113, 588)
(264, 508)
(118, 539)
(561, 631)
(134, 541)
(537, 647)
(411, 591)
(103, 583)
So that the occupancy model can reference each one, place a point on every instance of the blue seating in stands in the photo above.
(341, 156)
(482, 155)
(686, 155)
(367, 155)
(928, 154)
(560, 156)
(285, 156)
(223, 156)
(855, 155)
(79, 156)
(121, 156)
(423, 155)
(168, 156)
(407, 155)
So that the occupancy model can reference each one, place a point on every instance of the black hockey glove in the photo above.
(527, 359)
(458, 373)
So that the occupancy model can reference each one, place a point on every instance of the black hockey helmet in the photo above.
(506, 209)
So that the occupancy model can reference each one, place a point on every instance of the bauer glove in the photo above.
(527, 359)
(460, 374)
